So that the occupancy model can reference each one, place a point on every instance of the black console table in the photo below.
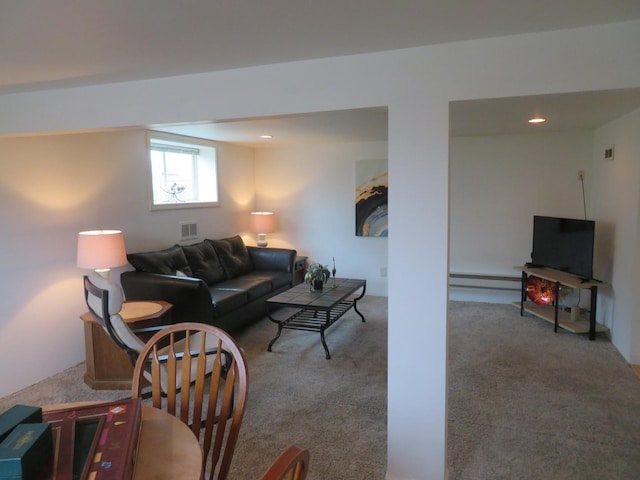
(553, 313)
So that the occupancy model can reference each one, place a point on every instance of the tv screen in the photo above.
(564, 244)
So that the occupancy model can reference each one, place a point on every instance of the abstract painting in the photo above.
(371, 198)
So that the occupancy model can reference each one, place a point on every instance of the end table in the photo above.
(299, 269)
(108, 366)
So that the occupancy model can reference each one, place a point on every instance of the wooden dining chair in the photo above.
(199, 374)
(291, 464)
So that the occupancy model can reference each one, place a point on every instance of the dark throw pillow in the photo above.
(167, 261)
(204, 262)
(233, 255)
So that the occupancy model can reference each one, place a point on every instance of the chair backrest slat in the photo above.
(186, 365)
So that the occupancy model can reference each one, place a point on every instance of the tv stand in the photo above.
(533, 265)
(552, 313)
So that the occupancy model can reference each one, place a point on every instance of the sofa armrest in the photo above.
(189, 296)
(273, 259)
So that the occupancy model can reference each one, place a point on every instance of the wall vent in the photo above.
(188, 230)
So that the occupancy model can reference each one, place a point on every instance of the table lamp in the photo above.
(262, 223)
(101, 250)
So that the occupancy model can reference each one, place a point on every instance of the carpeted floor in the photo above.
(297, 396)
(336, 408)
(523, 402)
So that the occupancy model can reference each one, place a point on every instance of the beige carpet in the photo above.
(528, 403)
(523, 403)
(336, 408)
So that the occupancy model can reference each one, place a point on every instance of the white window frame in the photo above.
(205, 160)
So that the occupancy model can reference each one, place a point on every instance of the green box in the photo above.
(27, 453)
(16, 415)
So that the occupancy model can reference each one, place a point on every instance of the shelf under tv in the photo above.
(547, 312)
(554, 314)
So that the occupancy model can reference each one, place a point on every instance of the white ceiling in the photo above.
(362, 125)
(64, 43)
(566, 111)
(497, 116)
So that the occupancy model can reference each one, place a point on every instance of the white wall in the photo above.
(498, 183)
(616, 203)
(54, 186)
(312, 189)
(416, 85)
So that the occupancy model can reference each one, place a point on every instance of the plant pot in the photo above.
(318, 284)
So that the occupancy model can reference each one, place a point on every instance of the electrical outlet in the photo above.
(609, 152)
(383, 271)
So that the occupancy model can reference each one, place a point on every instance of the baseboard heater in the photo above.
(486, 281)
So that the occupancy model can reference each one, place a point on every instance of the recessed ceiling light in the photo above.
(266, 136)
(537, 120)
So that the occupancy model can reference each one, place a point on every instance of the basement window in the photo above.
(184, 171)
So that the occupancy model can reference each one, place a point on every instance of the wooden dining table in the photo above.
(167, 448)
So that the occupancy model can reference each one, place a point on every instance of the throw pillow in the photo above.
(204, 262)
(233, 255)
(167, 261)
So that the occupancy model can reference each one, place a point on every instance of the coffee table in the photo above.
(316, 310)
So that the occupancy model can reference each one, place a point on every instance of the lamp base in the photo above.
(103, 272)
(262, 240)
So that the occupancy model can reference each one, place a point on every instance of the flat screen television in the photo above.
(564, 244)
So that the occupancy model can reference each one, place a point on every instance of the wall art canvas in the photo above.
(371, 198)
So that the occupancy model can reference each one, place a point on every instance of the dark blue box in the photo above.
(16, 415)
(27, 452)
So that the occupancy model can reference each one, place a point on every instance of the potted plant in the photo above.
(316, 276)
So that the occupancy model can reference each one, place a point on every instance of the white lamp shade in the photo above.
(101, 249)
(262, 222)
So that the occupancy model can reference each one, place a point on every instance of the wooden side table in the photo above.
(108, 366)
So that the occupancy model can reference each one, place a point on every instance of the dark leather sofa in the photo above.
(221, 282)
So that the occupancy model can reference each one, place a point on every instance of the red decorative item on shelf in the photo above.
(540, 291)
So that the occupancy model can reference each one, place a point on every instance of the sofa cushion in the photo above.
(233, 255)
(226, 301)
(204, 262)
(277, 279)
(167, 261)
(255, 286)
